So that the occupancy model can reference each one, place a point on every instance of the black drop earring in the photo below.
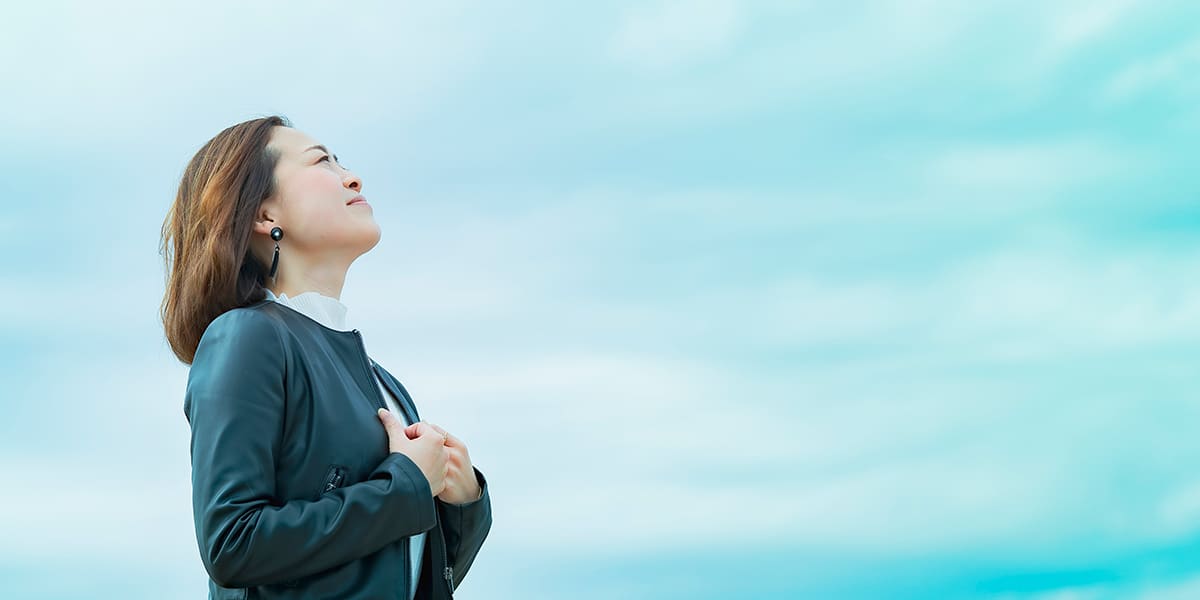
(276, 234)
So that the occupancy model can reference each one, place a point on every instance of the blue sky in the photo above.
(759, 299)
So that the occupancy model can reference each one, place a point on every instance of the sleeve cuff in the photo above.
(401, 468)
(482, 481)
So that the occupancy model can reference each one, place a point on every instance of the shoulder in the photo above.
(259, 325)
(260, 314)
(241, 355)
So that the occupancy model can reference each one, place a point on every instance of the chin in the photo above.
(371, 239)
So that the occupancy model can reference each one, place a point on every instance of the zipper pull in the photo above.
(448, 573)
(335, 479)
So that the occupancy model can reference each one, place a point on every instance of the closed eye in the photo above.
(326, 157)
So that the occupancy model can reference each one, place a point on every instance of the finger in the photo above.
(437, 431)
(389, 420)
(450, 439)
(421, 428)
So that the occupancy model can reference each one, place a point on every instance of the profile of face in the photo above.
(312, 205)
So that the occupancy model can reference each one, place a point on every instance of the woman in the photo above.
(304, 483)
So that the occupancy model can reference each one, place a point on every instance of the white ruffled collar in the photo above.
(323, 309)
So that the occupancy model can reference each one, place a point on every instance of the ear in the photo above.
(264, 221)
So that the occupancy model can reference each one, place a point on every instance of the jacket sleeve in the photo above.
(235, 403)
(464, 527)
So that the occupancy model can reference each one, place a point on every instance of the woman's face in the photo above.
(311, 203)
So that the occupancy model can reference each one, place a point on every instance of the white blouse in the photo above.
(331, 313)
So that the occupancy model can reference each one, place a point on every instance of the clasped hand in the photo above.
(443, 458)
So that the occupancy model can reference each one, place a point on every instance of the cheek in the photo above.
(314, 195)
(317, 181)
(317, 213)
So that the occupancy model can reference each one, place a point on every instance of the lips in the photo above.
(359, 199)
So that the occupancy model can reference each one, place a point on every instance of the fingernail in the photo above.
(380, 411)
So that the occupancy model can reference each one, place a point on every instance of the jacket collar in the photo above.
(332, 314)
(394, 386)
(323, 309)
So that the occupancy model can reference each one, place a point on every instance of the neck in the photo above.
(324, 278)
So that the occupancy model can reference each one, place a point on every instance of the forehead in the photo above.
(291, 142)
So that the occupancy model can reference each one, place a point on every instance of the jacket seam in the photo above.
(287, 348)
(462, 532)
(287, 357)
(411, 481)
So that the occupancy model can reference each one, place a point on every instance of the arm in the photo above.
(464, 527)
(235, 403)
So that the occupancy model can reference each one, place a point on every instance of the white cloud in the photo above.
(1169, 72)
(673, 32)
(1067, 300)
(1185, 588)
(230, 62)
(884, 453)
(1038, 167)
(1071, 26)
(1179, 510)
(89, 507)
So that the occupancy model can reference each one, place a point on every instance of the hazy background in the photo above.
(728, 300)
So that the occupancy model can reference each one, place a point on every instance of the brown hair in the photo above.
(206, 234)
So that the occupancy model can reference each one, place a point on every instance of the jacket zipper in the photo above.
(370, 377)
(405, 551)
(334, 481)
(448, 571)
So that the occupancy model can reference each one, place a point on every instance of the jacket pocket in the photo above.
(334, 478)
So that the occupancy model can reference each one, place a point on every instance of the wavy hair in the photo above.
(205, 239)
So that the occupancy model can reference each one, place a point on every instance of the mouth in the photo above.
(359, 199)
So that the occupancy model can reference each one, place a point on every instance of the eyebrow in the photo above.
(321, 148)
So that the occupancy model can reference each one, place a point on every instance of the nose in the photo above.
(352, 181)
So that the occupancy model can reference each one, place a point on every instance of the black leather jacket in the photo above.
(294, 491)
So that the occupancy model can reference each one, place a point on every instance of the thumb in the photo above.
(419, 429)
(389, 419)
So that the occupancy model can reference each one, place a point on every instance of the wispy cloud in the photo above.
(671, 33)
(898, 287)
